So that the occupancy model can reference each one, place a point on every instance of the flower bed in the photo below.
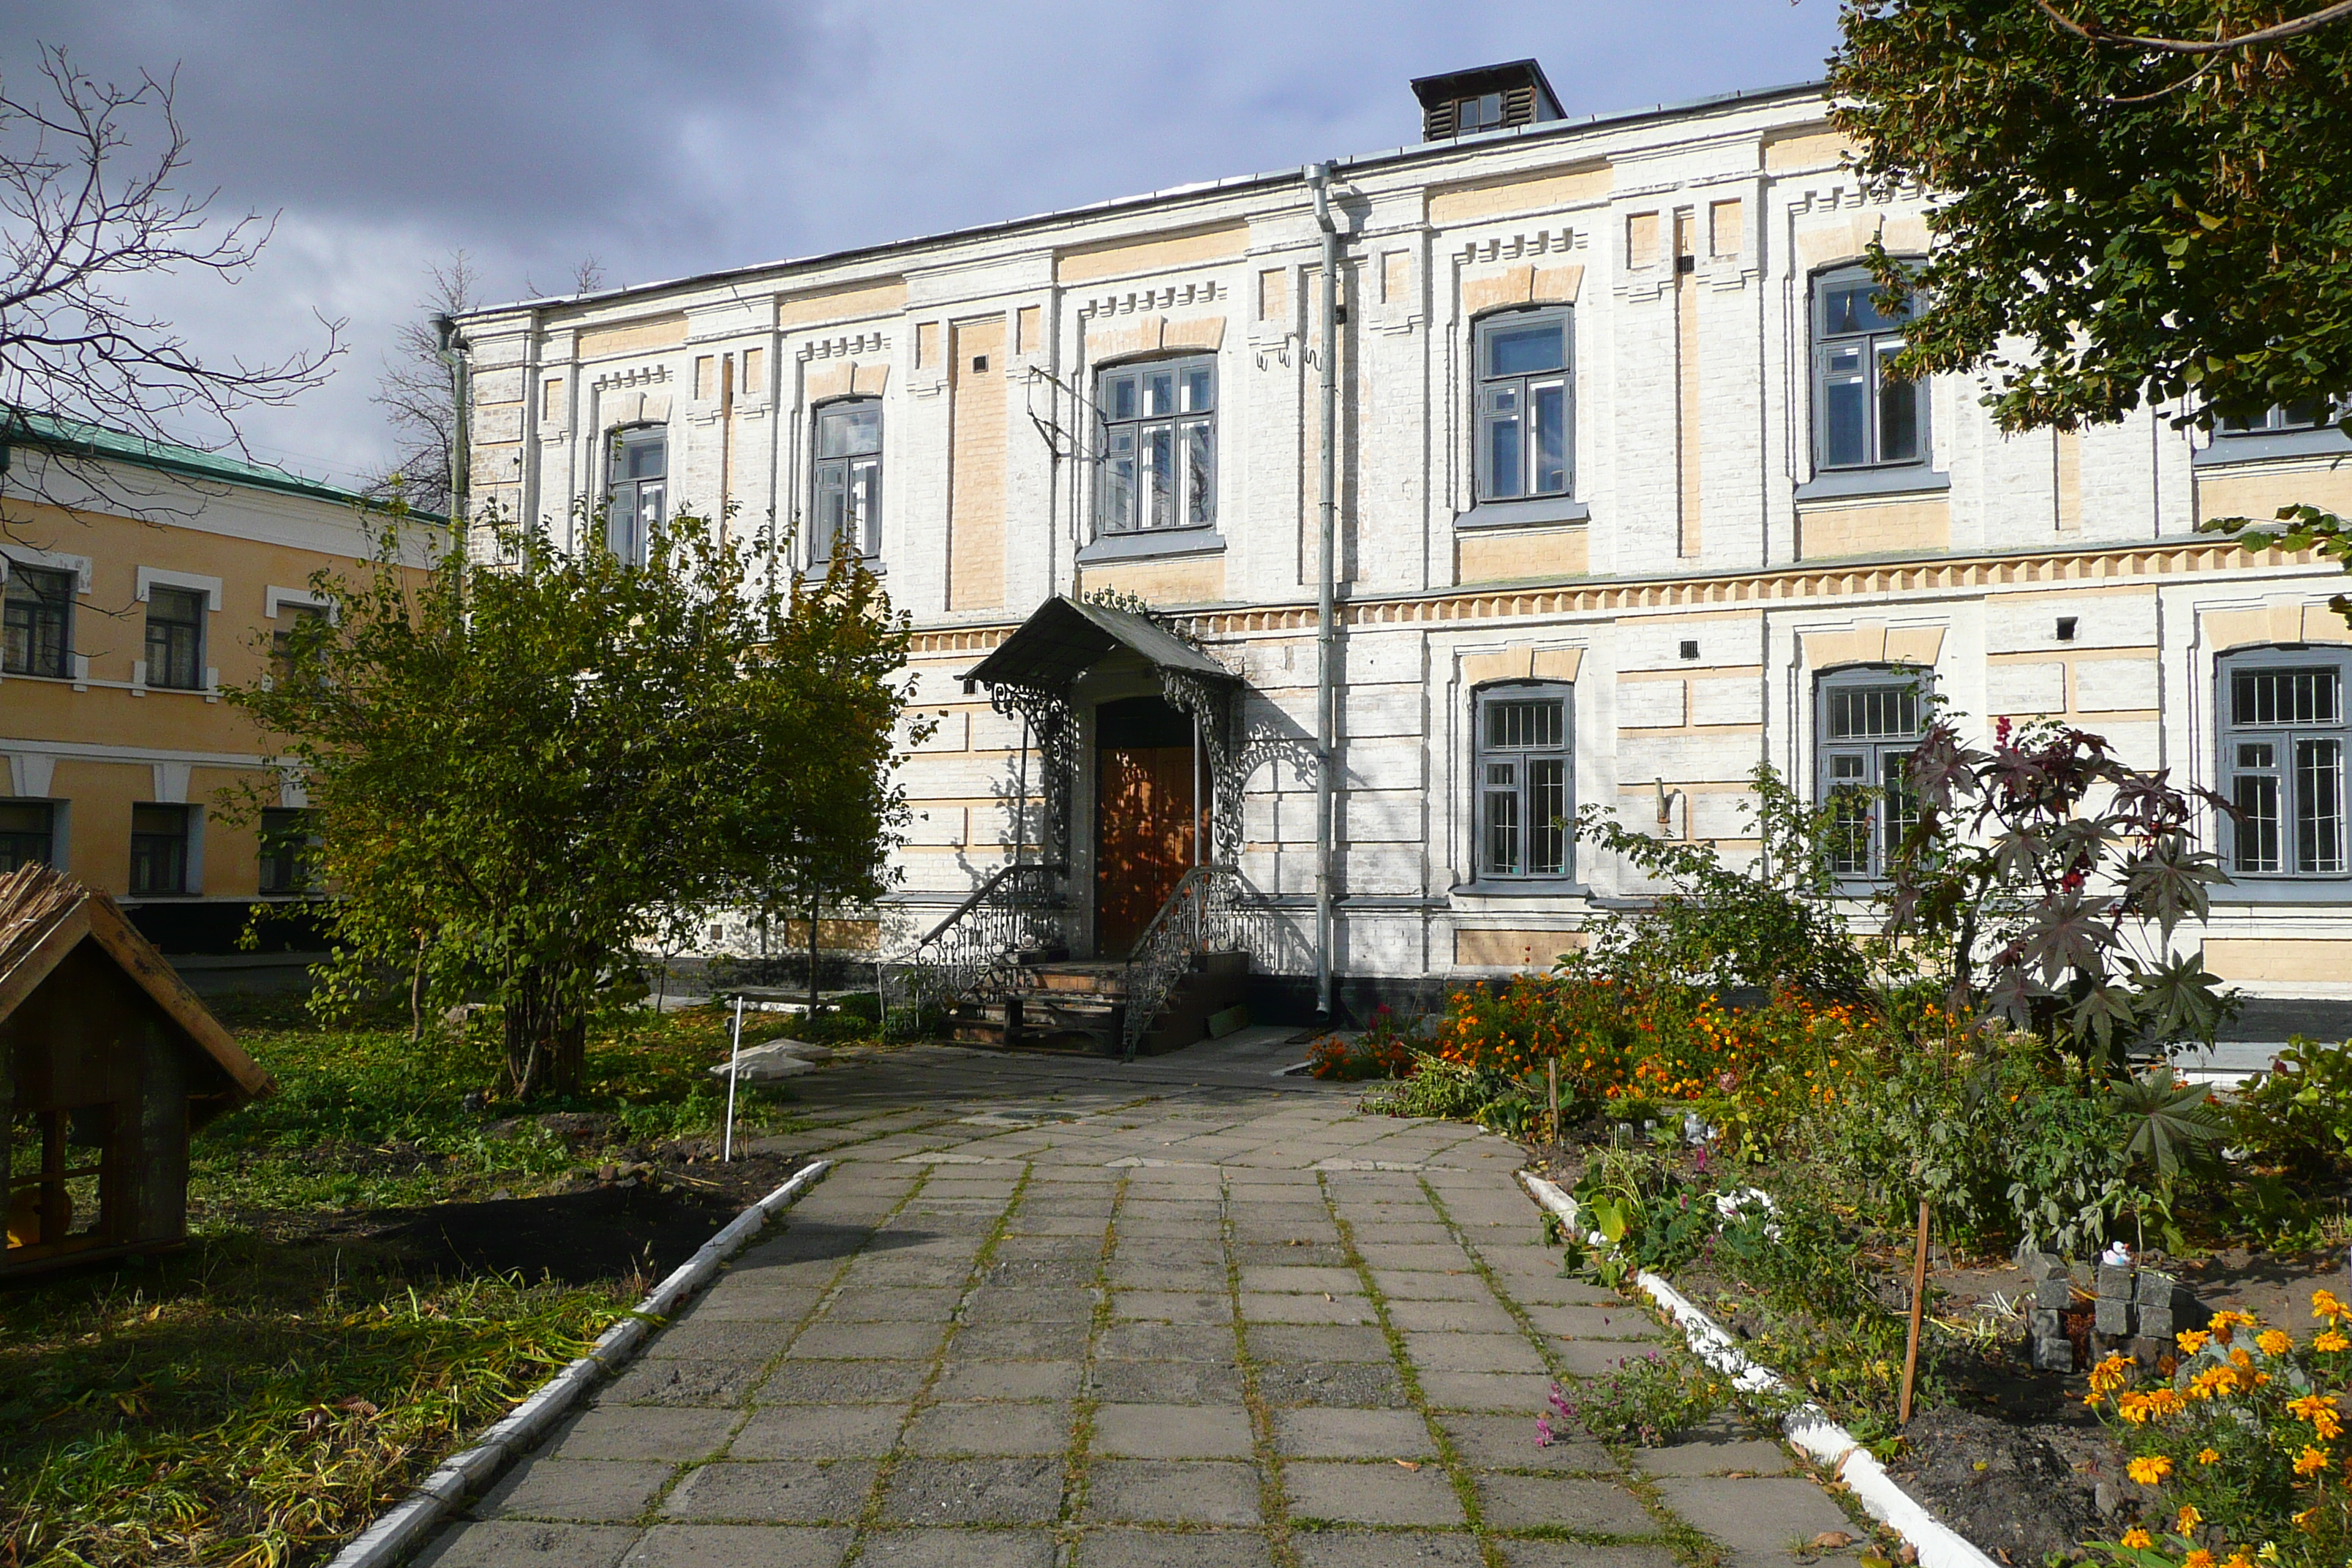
(2241, 1434)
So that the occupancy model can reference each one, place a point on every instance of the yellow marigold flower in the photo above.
(2150, 1468)
(2191, 1341)
(2273, 1343)
(2329, 1340)
(2323, 1304)
(2200, 1558)
(2241, 1360)
(2132, 1408)
(2209, 1456)
(2135, 1536)
(2111, 1373)
(2308, 1519)
(2311, 1461)
(2189, 1521)
(2238, 1559)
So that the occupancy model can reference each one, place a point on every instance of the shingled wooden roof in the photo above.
(45, 915)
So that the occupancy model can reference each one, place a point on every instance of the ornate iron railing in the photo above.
(1020, 909)
(1212, 909)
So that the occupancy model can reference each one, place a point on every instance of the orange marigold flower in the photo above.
(2135, 1536)
(2189, 1521)
(2149, 1468)
(2273, 1343)
(2311, 1461)
(2209, 1456)
(2200, 1558)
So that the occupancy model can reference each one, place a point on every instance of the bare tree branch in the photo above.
(416, 395)
(90, 202)
(2093, 32)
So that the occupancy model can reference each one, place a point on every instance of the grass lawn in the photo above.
(335, 1326)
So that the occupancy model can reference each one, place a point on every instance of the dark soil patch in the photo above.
(2007, 1488)
(644, 1225)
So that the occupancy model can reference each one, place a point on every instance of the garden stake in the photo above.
(734, 1063)
(1918, 1306)
(1551, 1073)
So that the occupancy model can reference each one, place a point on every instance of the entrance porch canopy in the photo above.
(1032, 671)
(1064, 637)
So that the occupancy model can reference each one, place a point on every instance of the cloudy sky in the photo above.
(667, 140)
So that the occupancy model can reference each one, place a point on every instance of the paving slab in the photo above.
(737, 1546)
(868, 1383)
(586, 1491)
(1172, 1431)
(773, 1491)
(1172, 1492)
(1372, 1493)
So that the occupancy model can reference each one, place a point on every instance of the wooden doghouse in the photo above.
(106, 1064)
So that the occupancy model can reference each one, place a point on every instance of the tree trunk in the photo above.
(546, 1041)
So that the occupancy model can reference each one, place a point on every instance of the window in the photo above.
(1870, 722)
(285, 639)
(1159, 435)
(28, 833)
(176, 637)
(848, 480)
(1484, 112)
(159, 850)
(1863, 416)
(1523, 405)
(2283, 735)
(636, 490)
(2309, 414)
(37, 611)
(1525, 793)
(286, 844)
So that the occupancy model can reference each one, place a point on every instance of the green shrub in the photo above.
(1646, 1402)
(2298, 1115)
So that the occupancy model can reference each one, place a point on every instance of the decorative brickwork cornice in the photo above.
(2150, 563)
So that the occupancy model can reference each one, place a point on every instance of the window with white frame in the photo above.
(2282, 735)
(159, 850)
(637, 489)
(1526, 786)
(1869, 721)
(847, 502)
(1524, 404)
(176, 637)
(37, 622)
(28, 832)
(1864, 416)
(1159, 434)
(2280, 418)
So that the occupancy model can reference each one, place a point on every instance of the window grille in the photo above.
(2282, 735)
(1159, 445)
(1526, 790)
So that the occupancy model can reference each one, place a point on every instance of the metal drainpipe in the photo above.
(1318, 181)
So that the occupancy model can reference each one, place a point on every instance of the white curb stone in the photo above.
(392, 1536)
(1809, 1426)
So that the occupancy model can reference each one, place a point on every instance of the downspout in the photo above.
(453, 354)
(1318, 181)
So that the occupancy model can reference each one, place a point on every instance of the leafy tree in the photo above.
(2150, 201)
(520, 774)
(1770, 925)
(2034, 874)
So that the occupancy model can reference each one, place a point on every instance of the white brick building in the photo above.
(1729, 530)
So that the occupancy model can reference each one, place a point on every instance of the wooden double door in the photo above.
(1147, 816)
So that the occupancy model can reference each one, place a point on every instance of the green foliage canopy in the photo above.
(519, 774)
(2112, 223)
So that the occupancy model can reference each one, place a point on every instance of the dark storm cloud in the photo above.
(675, 139)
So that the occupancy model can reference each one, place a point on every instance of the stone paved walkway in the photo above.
(1048, 1313)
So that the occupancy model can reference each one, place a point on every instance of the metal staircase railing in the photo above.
(1210, 910)
(1020, 908)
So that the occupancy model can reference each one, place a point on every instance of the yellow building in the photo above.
(143, 583)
